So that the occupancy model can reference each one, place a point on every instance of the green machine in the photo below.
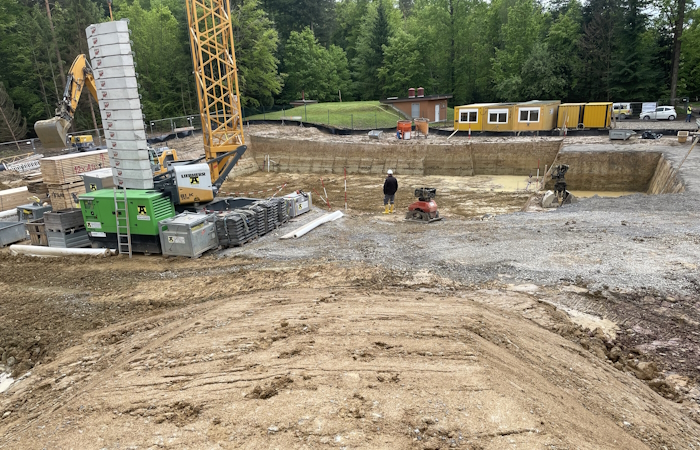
(145, 209)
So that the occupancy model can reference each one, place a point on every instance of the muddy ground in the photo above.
(495, 328)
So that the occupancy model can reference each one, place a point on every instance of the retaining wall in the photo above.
(306, 156)
(609, 171)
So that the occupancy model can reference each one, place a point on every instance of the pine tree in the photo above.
(373, 38)
(12, 125)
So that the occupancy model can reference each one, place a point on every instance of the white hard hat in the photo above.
(389, 172)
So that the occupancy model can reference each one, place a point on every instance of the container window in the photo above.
(529, 115)
(468, 116)
(498, 116)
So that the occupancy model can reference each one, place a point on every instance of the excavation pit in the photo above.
(472, 179)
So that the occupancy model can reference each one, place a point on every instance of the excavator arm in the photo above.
(52, 132)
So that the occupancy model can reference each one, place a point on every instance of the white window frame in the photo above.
(468, 111)
(497, 111)
(539, 115)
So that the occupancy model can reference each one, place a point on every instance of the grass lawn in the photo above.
(359, 115)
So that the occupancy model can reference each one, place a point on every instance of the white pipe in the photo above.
(34, 250)
(299, 232)
(9, 214)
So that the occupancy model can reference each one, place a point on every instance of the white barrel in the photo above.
(118, 94)
(113, 61)
(113, 144)
(119, 26)
(110, 50)
(130, 164)
(122, 114)
(134, 155)
(123, 125)
(130, 183)
(114, 72)
(118, 83)
(127, 135)
(109, 39)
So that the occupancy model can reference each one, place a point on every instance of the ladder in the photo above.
(121, 212)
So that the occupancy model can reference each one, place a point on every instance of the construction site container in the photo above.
(127, 135)
(11, 232)
(571, 115)
(109, 39)
(119, 83)
(75, 238)
(536, 115)
(118, 94)
(620, 135)
(110, 50)
(117, 26)
(597, 115)
(140, 144)
(119, 125)
(471, 117)
(32, 211)
(128, 154)
(499, 117)
(114, 72)
(113, 61)
(122, 114)
(98, 179)
(188, 234)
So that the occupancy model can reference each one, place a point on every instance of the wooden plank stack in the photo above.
(12, 198)
(62, 176)
(65, 169)
(35, 184)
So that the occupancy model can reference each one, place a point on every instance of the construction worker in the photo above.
(391, 185)
(690, 113)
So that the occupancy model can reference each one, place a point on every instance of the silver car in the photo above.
(661, 113)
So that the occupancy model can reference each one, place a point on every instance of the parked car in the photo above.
(622, 110)
(661, 113)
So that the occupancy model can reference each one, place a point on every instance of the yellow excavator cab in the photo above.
(52, 132)
(85, 139)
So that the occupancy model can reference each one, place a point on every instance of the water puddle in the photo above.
(5, 382)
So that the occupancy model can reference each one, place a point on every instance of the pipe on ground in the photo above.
(299, 232)
(34, 250)
(10, 214)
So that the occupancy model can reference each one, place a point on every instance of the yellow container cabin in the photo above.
(471, 117)
(536, 115)
(597, 115)
(571, 114)
(499, 117)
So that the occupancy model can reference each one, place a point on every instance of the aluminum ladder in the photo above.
(121, 212)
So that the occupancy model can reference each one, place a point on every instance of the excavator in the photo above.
(53, 133)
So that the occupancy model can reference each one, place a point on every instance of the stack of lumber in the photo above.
(68, 168)
(62, 176)
(35, 184)
(12, 198)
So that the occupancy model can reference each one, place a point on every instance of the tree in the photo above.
(295, 15)
(403, 64)
(598, 46)
(373, 39)
(542, 75)
(312, 69)
(12, 125)
(256, 42)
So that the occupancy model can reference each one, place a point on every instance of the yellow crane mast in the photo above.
(216, 77)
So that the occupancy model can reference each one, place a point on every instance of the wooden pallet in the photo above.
(65, 196)
(37, 232)
(12, 198)
(59, 170)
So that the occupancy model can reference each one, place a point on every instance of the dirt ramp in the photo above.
(306, 368)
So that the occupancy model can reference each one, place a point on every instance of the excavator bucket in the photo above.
(52, 132)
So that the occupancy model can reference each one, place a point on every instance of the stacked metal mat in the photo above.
(120, 104)
(241, 225)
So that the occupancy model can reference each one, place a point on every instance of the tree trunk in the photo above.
(41, 84)
(677, 33)
(55, 44)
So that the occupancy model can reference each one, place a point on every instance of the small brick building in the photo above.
(431, 107)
